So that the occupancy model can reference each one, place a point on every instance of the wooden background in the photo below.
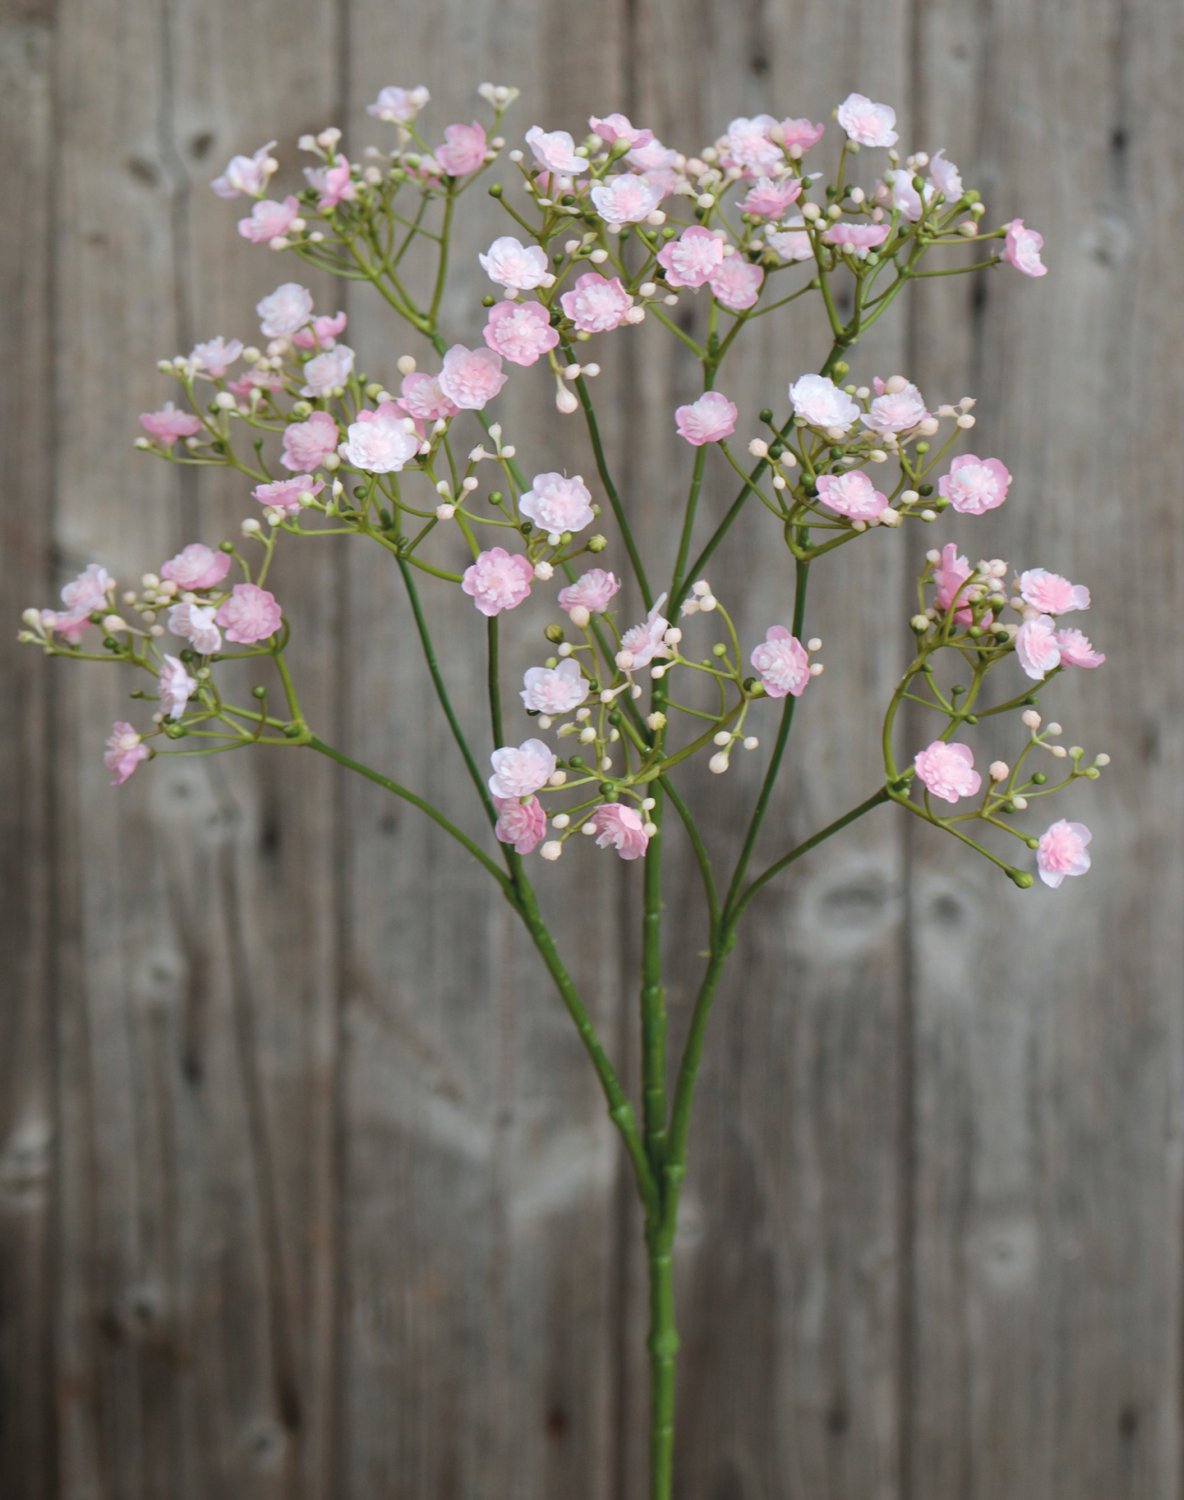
(305, 1188)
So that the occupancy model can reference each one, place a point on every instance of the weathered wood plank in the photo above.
(1046, 1279)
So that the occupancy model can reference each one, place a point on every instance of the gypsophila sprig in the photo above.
(599, 232)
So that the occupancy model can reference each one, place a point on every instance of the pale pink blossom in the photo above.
(516, 266)
(819, 402)
(857, 238)
(215, 356)
(898, 191)
(975, 485)
(169, 424)
(285, 310)
(523, 824)
(1077, 650)
(1021, 249)
(646, 641)
(90, 590)
(736, 284)
(554, 690)
(867, 123)
(520, 771)
(791, 243)
(70, 624)
(464, 149)
(398, 106)
(592, 592)
(423, 399)
(782, 663)
(626, 198)
(801, 133)
(948, 770)
(710, 419)
(250, 614)
(659, 163)
(497, 580)
(693, 256)
(176, 686)
(557, 503)
(616, 127)
(945, 176)
(269, 220)
(255, 380)
(334, 183)
(1062, 851)
(326, 374)
(125, 750)
(621, 828)
(378, 441)
(284, 494)
(471, 377)
(555, 151)
(246, 176)
(520, 332)
(897, 410)
(196, 623)
(769, 199)
(196, 567)
(951, 575)
(749, 144)
(321, 333)
(852, 495)
(595, 304)
(1036, 646)
(1051, 593)
(309, 444)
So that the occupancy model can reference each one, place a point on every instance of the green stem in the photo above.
(653, 1001)
(663, 1350)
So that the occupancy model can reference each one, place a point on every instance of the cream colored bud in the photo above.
(552, 849)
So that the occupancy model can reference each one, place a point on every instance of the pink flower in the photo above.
(858, 238)
(523, 824)
(975, 485)
(614, 128)
(71, 624)
(951, 576)
(195, 624)
(644, 642)
(307, 445)
(791, 243)
(496, 581)
(625, 199)
(464, 149)
(555, 151)
(557, 503)
(246, 175)
(169, 424)
(269, 220)
(596, 305)
(782, 663)
(214, 356)
(284, 494)
(769, 199)
(520, 333)
(322, 333)
(1051, 593)
(710, 419)
(1022, 248)
(801, 133)
(749, 144)
(471, 377)
(659, 164)
(691, 259)
(196, 567)
(1036, 646)
(398, 106)
(125, 749)
(89, 591)
(522, 771)
(285, 310)
(867, 123)
(255, 380)
(1076, 650)
(1062, 851)
(176, 686)
(945, 176)
(334, 183)
(554, 690)
(737, 283)
(326, 374)
(852, 495)
(897, 190)
(897, 408)
(621, 828)
(250, 614)
(516, 266)
(819, 402)
(423, 399)
(948, 770)
(590, 594)
(379, 442)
